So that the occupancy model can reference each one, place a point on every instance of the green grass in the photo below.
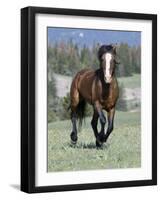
(133, 81)
(122, 150)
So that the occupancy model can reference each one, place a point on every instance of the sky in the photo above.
(90, 36)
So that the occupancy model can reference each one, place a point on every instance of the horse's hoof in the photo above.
(101, 137)
(74, 138)
(99, 144)
(73, 142)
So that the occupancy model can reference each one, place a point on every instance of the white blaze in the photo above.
(108, 57)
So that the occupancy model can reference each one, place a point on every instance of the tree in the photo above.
(125, 60)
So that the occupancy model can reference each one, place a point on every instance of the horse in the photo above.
(100, 89)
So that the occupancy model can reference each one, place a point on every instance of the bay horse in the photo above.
(98, 88)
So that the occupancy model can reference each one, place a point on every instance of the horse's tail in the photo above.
(80, 111)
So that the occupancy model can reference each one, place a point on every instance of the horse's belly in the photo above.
(85, 91)
(85, 86)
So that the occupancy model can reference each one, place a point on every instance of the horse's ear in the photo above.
(101, 49)
(114, 48)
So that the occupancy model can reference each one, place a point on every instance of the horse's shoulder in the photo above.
(87, 70)
(85, 74)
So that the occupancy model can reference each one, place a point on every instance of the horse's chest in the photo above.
(108, 99)
(107, 103)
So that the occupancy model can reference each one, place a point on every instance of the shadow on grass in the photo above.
(87, 146)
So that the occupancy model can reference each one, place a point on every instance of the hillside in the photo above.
(131, 87)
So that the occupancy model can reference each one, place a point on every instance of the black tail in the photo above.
(80, 111)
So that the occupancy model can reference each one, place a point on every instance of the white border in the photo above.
(60, 178)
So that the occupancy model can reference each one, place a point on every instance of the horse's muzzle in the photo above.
(108, 79)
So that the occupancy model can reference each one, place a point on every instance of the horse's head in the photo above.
(106, 56)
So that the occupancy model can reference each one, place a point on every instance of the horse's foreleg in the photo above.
(73, 134)
(100, 136)
(111, 115)
(98, 108)
(94, 123)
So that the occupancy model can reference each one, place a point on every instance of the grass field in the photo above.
(122, 150)
(133, 81)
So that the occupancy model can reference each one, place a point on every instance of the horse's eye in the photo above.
(102, 58)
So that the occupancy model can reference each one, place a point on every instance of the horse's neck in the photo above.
(100, 84)
(99, 74)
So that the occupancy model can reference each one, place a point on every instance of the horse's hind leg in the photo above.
(73, 134)
(74, 104)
